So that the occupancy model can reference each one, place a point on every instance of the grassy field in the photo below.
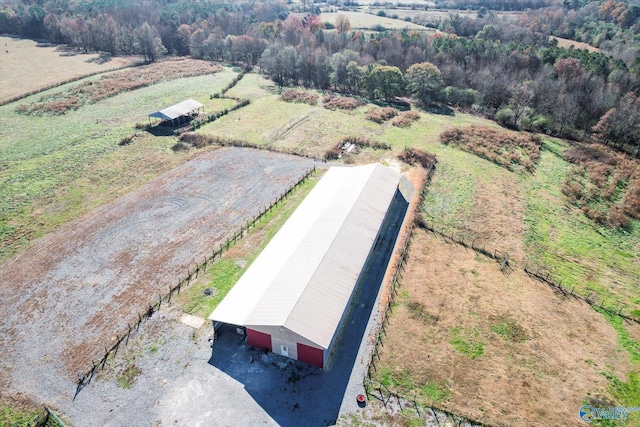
(55, 169)
(487, 342)
(522, 213)
(224, 273)
(47, 65)
(505, 350)
(566, 43)
(368, 21)
(312, 130)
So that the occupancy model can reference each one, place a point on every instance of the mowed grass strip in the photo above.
(51, 168)
(204, 294)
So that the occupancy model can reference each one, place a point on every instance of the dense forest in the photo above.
(510, 70)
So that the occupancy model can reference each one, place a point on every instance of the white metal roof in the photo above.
(304, 278)
(177, 110)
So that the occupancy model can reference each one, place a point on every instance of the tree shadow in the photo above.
(294, 393)
(441, 110)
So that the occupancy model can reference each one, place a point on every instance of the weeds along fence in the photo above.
(46, 418)
(64, 82)
(553, 279)
(156, 303)
(198, 140)
(378, 390)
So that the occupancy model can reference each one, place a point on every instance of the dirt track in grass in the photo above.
(64, 298)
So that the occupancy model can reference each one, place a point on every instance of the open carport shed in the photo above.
(177, 111)
(294, 298)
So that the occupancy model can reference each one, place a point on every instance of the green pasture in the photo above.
(49, 163)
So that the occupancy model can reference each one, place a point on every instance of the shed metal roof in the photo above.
(177, 110)
(304, 278)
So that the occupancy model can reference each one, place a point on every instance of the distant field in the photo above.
(25, 67)
(367, 21)
(53, 170)
(566, 43)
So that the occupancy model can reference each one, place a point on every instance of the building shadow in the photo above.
(293, 393)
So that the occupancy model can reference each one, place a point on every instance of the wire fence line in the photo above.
(155, 304)
(377, 390)
(46, 418)
(554, 279)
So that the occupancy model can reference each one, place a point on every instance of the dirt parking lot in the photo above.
(63, 300)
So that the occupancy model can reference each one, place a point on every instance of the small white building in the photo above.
(178, 113)
(294, 297)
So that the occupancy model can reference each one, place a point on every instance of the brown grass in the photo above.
(381, 114)
(301, 96)
(605, 184)
(404, 120)
(538, 364)
(510, 149)
(112, 84)
(26, 68)
(415, 156)
(566, 43)
(340, 103)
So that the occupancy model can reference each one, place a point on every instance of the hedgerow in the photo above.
(605, 184)
(503, 147)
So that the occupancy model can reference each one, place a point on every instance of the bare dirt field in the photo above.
(65, 297)
(24, 67)
(502, 349)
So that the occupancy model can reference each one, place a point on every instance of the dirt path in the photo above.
(64, 299)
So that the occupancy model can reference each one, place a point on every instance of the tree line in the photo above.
(512, 72)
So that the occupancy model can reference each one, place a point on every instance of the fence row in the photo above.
(156, 304)
(46, 418)
(64, 82)
(377, 390)
(541, 274)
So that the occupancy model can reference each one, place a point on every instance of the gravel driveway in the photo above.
(181, 381)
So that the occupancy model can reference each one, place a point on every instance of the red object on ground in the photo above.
(360, 398)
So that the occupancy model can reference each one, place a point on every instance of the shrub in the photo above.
(405, 119)
(414, 156)
(304, 97)
(605, 184)
(340, 102)
(381, 114)
(333, 153)
(126, 140)
(503, 147)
